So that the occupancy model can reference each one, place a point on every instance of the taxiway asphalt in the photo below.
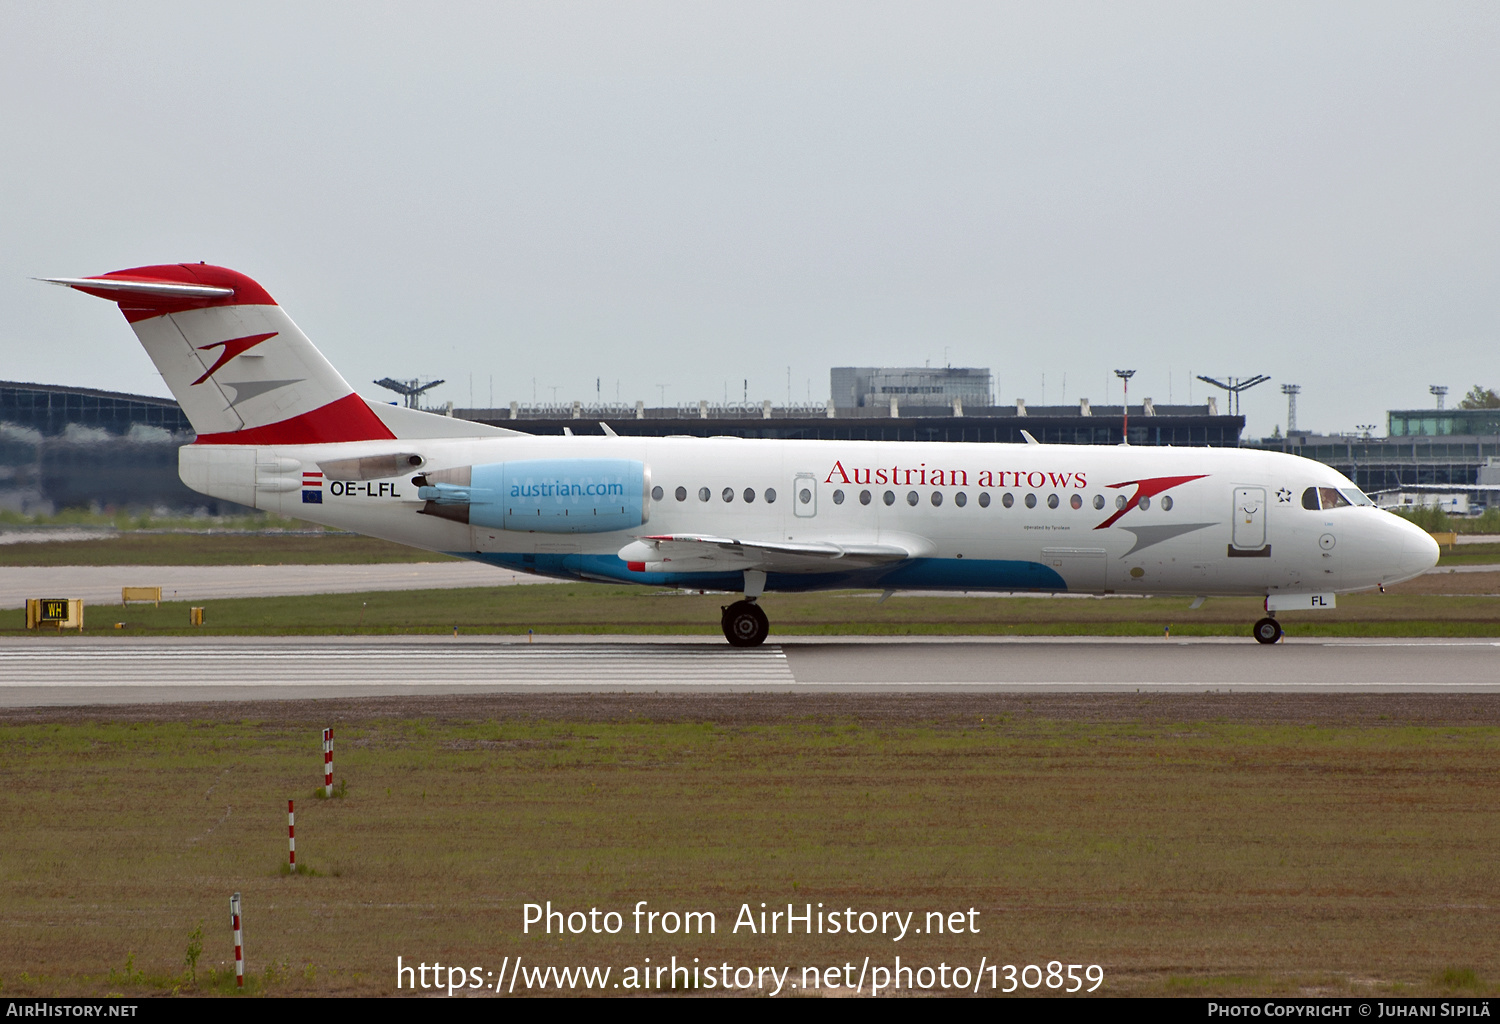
(100, 584)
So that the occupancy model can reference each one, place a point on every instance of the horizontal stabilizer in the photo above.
(139, 287)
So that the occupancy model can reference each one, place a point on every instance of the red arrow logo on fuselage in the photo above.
(232, 348)
(1148, 488)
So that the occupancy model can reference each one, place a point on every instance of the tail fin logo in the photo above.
(232, 348)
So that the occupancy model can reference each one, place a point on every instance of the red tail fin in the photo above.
(243, 372)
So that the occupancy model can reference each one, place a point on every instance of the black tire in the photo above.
(1267, 631)
(745, 625)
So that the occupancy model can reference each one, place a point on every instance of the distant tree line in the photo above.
(1480, 398)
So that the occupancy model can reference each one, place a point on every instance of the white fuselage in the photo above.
(970, 516)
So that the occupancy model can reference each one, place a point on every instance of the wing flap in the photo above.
(690, 552)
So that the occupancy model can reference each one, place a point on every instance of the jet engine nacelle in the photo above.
(541, 495)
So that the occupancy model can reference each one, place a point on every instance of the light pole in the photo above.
(1291, 391)
(1365, 432)
(1439, 391)
(411, 389)
(1125, 376)
(1235, 385)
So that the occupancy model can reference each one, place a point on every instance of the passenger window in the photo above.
(1052, 501)
(770, 495)
(984, 499)
(1076, 501)
(838, 497)
(1144, 502)
(1031, 501)
(1119, 501)
(1098, 501)
(749, 495)
(1166, 503)
(937, 498)
(682, 494)
(729, 494)
(864, 497)
(703, 494)
(889, 497)
(805, 496)
(960, 499)
(657, 493)
(1007, 499)
(911, 497)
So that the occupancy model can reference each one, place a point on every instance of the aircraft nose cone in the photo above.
(1420, 552)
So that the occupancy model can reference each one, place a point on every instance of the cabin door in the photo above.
(1249, 534)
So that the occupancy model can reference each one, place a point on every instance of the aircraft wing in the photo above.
(693, 552)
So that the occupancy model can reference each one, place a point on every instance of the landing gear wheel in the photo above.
(1267, 631)
(745, 625)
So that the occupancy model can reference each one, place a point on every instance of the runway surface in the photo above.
(72, 671)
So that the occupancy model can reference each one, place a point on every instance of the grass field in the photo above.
(596, 608)
(1470, 554)
(1314, 853)
(1457, 604)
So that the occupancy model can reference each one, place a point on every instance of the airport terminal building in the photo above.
(1426, 453)
(63, 447)
(1069, 424)
(875, 387)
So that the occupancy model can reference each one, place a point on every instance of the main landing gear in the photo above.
(1267, 630)
(744, 624)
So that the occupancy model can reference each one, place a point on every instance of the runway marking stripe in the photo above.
(239, 665)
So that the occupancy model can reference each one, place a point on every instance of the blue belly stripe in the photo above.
(917, 574)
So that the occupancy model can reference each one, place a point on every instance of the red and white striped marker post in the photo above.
(328, 762)
(291, 836)
(239, 948)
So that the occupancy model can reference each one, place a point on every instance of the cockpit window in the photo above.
(1356, 496)
(1316, 498)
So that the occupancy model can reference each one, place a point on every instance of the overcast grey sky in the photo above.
(689, 194)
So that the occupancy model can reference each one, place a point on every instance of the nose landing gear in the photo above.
(1267, 630)
(744, 624)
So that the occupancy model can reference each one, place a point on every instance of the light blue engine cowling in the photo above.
(542, 495)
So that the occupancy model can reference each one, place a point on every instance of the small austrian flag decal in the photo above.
(312, 488)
